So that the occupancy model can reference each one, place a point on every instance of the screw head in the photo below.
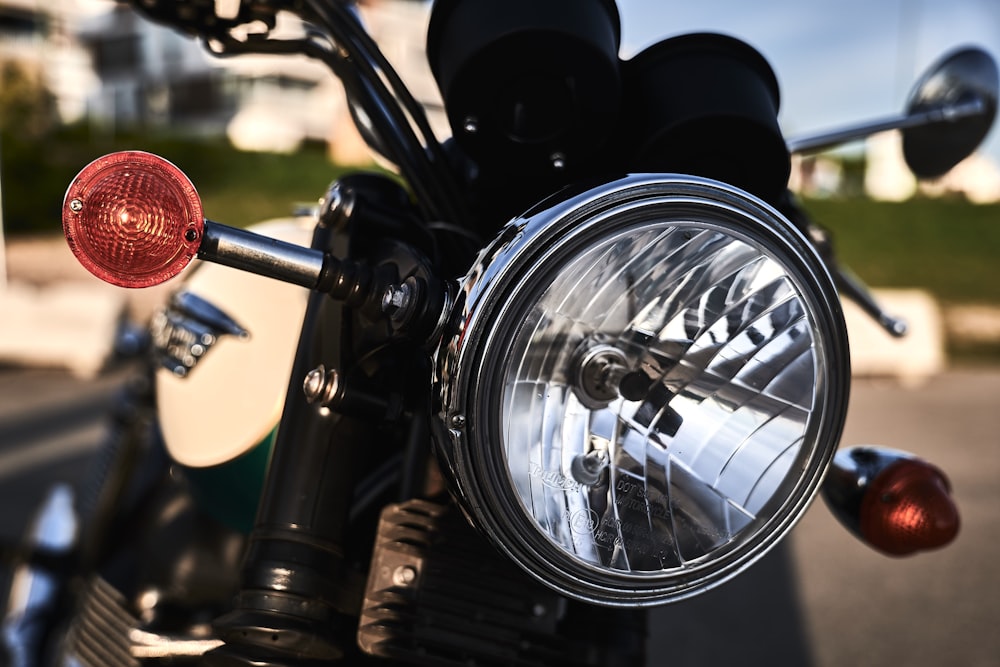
(404, 575)
(320, 384)
(76, 206)
(312, 386)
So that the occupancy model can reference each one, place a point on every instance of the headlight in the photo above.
(641, 387)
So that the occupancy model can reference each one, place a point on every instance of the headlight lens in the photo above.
(642, 387)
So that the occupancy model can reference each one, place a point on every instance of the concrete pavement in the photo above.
(936, 608)
(53, 313)
(820, 599)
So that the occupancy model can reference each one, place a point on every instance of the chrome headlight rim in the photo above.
(477, 343)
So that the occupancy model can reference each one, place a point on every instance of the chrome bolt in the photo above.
(335, 198)
(337, 207)
(558, 161)
(76, 206)
(458, 421)
(470, 125)
(147, 602)
(404, 575)
(321, 385)
(396, 300)
(312, 386)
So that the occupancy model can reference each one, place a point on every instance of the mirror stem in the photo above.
(826, 140)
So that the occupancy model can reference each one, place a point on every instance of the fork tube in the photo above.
(297, 601)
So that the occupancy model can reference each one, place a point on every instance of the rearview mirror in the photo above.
(948, 114)
(966, 76)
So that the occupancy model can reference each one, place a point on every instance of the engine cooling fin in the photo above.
(438, 594)
(99, 635)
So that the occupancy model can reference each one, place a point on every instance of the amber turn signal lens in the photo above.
(133, 219)
(908, 508)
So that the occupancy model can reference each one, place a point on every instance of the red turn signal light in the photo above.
(133, 219)
(908, 508)
(892, 501)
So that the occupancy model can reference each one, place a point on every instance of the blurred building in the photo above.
(885, 176)
(108, 64)
(21, 29)
(40, 35)
(150, 76)
(976, 178)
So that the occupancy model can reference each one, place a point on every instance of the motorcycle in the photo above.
(583, 358)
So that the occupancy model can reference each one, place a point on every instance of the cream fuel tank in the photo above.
(226, 456)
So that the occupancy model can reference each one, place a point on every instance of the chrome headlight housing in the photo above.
(641, 387)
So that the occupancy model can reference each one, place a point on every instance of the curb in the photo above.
(54, 314)
(53, 309)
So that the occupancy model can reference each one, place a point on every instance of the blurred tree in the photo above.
(27, 121)
(27, 108)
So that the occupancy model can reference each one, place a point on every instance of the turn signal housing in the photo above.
(894, 502)
(133, 219)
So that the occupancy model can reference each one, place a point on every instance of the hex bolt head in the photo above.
(396, 300)
(404, 575)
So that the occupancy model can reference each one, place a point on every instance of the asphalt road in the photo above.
(820, 599)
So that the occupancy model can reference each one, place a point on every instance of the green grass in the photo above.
(236, 188)
(950, 248)
(240, 188)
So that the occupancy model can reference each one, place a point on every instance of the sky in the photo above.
(837, 61)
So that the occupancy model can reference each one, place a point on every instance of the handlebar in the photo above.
(399, 127)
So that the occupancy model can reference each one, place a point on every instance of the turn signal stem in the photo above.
(892, 501)
(135, 220)
(414, 306)
(353, 283)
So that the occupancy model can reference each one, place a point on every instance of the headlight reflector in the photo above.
(642, 387)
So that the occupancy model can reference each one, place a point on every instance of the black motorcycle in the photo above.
(585, 357)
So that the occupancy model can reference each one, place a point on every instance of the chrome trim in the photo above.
(104, 632)
(821, 141)
(855, 469)
(247, 251)
(146, 645)
(34, 592)
(185, 330)
(508, 266)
